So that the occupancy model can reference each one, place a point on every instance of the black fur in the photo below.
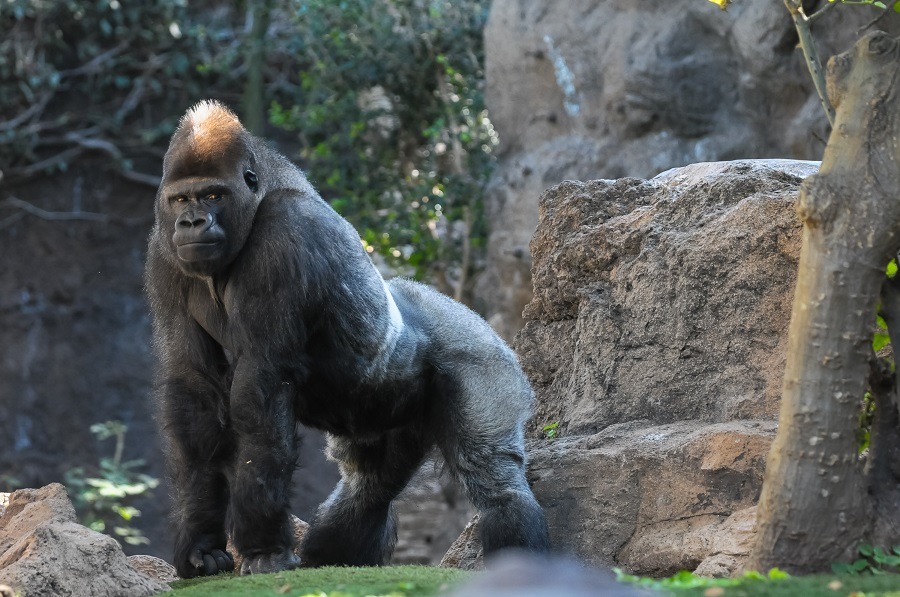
(268, 312)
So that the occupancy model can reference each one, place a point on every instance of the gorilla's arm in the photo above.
(191, 396)
(192, 405)
(262, 415)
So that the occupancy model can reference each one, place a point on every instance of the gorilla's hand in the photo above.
(270, 562)
(204, 558)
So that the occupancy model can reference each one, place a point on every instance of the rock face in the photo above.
(652, 499)
(665, 299)
(633, 90)
(44, 551)
(656, 338)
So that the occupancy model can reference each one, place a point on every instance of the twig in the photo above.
(810, 54)
(818, 14)
(875, 21)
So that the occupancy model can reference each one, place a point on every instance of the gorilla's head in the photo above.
(210, 189)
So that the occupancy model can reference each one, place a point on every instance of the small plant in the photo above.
(102, 500)
(872, 560)
(551, 430)
(689, 580)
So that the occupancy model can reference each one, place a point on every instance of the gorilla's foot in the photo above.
(270, 562)
(206, 562)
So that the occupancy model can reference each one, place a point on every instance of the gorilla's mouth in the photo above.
(199, 251)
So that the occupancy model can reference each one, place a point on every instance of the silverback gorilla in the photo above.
(267, 313)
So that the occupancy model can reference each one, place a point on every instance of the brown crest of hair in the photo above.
(212, 128)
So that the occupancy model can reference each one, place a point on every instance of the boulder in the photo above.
(155, 568)
(44, 551)
(665, 299)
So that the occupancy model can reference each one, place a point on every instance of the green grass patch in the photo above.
(776, 584)
(393, 581)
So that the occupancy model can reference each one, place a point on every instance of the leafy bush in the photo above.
(384, 98)
(103, 498)
(872, 560)
(392, 126)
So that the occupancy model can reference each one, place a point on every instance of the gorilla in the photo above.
(268, 313)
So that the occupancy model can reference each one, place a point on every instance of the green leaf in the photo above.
(842, 567)
(866, 550)
(896, 6)
(879, 341)
(859, 565)
(776, 574)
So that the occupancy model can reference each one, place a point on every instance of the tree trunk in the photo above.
(817, 502)
(254, 103)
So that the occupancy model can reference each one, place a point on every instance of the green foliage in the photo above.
(689, 580)
(551, 430)
(81, 69)
(872, 560)
(391, 121)
(875, 3)
(396, 581)
(103, 497)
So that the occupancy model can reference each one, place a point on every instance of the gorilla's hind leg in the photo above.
(356, 526)
(484, 448)
(509, 514)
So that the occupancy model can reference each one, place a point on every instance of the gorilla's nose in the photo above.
(193, 221)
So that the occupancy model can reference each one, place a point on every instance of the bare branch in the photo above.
(35, 109)
(83, 144)
(38, 167)
(55, 215)
(10, 220)
(94, 64)
(67, 216)
(877, 19)
(139, 177)
(818, 14)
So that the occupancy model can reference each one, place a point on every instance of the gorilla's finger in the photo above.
(223, 560)
(196, 560)
(209, 564)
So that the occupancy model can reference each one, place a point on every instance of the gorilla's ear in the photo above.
(251, 180)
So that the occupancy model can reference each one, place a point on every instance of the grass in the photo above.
(393, 581)
(776, 584)
(887, 585)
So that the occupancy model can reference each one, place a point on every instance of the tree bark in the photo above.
(816, 504)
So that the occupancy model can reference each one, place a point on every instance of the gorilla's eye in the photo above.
(180, 199)
(251, 180)
(213, 197)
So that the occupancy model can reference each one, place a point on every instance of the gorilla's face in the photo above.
(201, 213)
(209, 194)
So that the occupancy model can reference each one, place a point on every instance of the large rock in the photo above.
(632, 90)
(656, 338)
(665, 299)
(44, 551)
(650, 498)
